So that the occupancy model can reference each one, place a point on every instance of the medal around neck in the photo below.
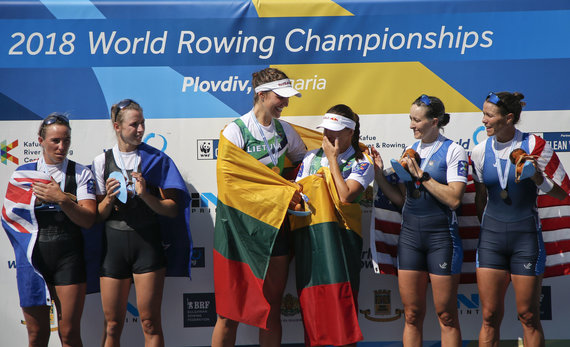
(400, 171)
(416, 194)
(276, 169)
(504, 194)
(122, 196)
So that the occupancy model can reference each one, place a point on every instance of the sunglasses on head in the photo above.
(494, 99)
(121, 105)
(425, 99)
(49, 120)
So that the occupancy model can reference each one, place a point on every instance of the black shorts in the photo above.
(513, 246)
(127, 252)
(60, 261)
(283, 241)
(430, 244)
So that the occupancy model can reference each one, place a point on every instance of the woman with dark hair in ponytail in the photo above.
(429, 247)
(351, 172)
(511, 248)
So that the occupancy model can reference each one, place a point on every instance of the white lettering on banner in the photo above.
(298, 40)
(237, 44)
(124, 45)
(234, 84)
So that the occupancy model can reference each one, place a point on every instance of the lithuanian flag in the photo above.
(252, 203)
(328, 244)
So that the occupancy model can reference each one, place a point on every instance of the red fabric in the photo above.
(240, 296)
(322, 304)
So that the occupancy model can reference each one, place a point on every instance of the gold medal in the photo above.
(504, 194)
(276, 170)
(416, 194)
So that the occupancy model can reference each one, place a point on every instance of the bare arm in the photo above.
(480, 199)
(81, 213)
(393, 192)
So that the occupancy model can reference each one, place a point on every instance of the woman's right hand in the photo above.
(112, 188)
(297, 198)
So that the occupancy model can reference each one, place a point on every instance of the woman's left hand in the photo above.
(413, 167)
(49, 192)
(140, 183)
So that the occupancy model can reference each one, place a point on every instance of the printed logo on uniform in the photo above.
(5, 157)
(91, 186)
(361, 167)
(462, 168)
(207, 149)
(301, 169)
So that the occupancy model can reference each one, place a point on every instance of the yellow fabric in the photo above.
(251, 187)
(325, 204)
(299, 8)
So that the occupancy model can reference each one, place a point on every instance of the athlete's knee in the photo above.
(38, 337)
(529, 319)
(114, 328)
(492, 318)
(447, 319)
(151, 326)
(414, 316)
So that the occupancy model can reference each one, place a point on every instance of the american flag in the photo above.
(19, 222)
(554, 215)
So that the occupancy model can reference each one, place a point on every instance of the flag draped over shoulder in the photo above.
(328, 244)
(554, 216)
(252, 203)
(19, 222)
(159, 170)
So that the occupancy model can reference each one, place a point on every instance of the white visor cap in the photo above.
(335, 122)
(282, 88)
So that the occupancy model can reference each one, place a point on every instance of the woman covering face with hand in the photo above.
(63, 202)
(326, 248)
(429, 247)
(139, 192)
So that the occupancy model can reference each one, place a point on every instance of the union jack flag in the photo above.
(20, 224)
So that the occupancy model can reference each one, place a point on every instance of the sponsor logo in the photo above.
(560, 142)
(198, 258)
(201, 202)
(133, 314)
(11, 264)
(207, 149)
(199, 310)
(528, 266)
(156, 140)
(366, 260)
(443, 266)
(478, 135)
(383, 308)
(6, 157)
(467, 305)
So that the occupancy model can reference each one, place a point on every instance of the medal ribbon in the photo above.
(503, 177)
(270, 151)
(433, 149)
(119, 158)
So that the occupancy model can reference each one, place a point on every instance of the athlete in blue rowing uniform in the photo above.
(510, 242)
(429, 246)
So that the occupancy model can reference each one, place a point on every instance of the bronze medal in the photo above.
(276, 170)
(416, 194)
(504, 194)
